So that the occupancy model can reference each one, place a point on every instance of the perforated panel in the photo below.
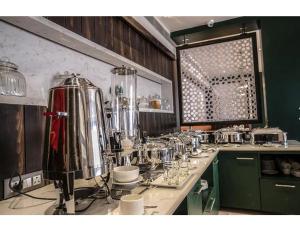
(218, 82)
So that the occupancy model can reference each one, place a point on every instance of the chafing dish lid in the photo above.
(266, 131)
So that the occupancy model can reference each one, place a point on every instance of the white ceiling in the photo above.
(174, 23)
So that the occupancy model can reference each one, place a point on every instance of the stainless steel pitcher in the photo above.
(76, 134)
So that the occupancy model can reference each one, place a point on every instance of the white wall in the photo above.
(40, 59)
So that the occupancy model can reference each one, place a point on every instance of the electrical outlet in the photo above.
(36, 180)
(27, 183)
(30, 182)
(14, 183)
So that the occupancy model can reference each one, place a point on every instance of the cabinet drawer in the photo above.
(239, 180)
(280, 196)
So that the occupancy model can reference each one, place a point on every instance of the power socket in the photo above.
(14, 184)
(36, 180)
(30, 182)
(27, 183)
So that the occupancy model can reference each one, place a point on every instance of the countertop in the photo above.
(293, 146)
(166, 199)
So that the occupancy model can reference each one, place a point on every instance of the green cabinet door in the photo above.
(239, 180)
(194, 200)
(280, 195)
(207, 201)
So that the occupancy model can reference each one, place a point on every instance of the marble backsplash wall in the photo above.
(40, 60)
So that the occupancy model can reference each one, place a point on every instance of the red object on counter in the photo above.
(58, 123)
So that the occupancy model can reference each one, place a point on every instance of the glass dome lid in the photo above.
(124, 70)
(12, 82)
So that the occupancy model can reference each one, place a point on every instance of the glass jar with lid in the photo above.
(143, 102)
(12, 82)
(155, 102)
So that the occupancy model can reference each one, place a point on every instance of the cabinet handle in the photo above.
(285, 186)
(244, 158)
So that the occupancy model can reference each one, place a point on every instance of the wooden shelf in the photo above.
(56, 33)
(155, 110)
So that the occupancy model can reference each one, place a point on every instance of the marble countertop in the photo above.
(166, 199)
(293, 146)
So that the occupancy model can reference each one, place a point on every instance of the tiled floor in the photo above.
(238, 212)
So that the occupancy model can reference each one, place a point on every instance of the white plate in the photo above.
(140, 178)
(146, 212)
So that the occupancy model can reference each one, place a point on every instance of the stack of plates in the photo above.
(285, 166)
(295, 168)
(139, 179)
(269, 167)
(126, 175)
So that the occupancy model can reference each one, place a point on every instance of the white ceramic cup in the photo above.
(132, 204)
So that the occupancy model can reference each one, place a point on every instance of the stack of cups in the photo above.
(132, 204)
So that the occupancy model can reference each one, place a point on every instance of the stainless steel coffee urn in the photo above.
(76, 136)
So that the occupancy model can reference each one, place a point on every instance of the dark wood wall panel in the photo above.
(12, 151)
(155, 124)
(74, 24)
(116, 34)
(88, 28)
(59, 20)
(127, 38)
(34, 122)
(21, 139)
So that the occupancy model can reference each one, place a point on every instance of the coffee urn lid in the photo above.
(76, 81)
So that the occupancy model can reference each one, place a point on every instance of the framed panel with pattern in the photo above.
(219, 81)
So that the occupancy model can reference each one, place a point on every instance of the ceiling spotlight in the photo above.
(210, 23)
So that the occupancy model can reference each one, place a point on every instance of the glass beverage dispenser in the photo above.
(124, 119)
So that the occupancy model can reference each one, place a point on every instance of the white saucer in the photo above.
(140, 178)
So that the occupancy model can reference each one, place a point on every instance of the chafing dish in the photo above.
(222, 137)
(190, 141)
(175, 142)
(203, 138)
(268, 135)
(161, 151)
